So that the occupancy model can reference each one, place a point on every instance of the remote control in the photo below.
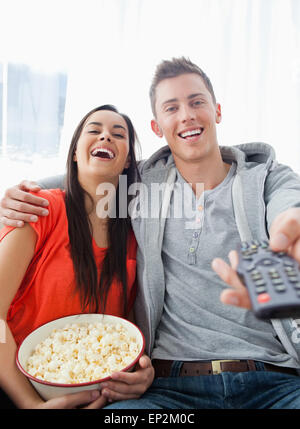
(272, 279)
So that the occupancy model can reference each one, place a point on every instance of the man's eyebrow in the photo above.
(173, 100)
(198, 94)
(100, 125)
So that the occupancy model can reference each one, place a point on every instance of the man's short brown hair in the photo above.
(173, 68)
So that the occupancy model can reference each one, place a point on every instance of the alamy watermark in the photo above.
(152, 201)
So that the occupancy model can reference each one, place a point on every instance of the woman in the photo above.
(73, 261)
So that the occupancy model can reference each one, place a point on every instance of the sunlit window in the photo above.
(32, 118)
(35, 113)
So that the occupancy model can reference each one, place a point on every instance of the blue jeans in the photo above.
(228, 390)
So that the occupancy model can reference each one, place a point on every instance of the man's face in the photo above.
(186, 116)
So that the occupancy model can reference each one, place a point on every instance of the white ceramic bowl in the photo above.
(48, 390)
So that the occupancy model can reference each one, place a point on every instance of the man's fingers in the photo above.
(21, 206)
(10, 222)
(296, 251)
(285, 230)
(28, 185)
(22, 196)
(227, 274)
(234, 259)
(235, 297)
(14, 209)
(238, 295)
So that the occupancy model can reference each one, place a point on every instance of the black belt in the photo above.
(163, 367)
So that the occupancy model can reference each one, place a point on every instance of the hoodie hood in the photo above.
(244, 153)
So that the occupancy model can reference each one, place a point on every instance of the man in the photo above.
(207, 354)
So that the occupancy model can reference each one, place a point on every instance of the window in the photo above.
(31, 120)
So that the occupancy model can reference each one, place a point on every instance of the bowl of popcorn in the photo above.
(79, 352)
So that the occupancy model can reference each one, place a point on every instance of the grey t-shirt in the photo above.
(195, 325)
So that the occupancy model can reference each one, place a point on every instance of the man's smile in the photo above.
(191, 134)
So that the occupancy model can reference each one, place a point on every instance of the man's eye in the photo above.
(171, 109)
(197, 103)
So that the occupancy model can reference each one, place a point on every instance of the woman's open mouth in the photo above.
(103, 153)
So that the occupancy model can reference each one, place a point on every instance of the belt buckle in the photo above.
(216, 365)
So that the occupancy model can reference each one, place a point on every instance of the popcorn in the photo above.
(80, 353)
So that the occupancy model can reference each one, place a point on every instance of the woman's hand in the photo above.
(129, 385)
(89, 399)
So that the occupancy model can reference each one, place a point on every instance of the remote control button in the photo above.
(288, 269)
(264, 244)
(291, 273)
(259, 283)
(274, 275)
(280, 253)
(280, 288)
(296, 286)
(260, 289)
(288, 263)
(250, 267)
(277, 281)
(267, 262)
(264, 297)
(293, 279)
(255, 276)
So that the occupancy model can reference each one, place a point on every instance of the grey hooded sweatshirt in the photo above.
(261, 190)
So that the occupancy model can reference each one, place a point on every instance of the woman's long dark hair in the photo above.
(92, 289)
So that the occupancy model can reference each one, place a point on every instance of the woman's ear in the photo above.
(156, 128)
(75, 157)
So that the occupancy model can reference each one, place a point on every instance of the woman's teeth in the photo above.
(103, 153)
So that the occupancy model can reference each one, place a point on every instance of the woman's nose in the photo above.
(105, 137)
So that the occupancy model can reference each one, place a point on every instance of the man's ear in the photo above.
(218, 113)
(156, 128)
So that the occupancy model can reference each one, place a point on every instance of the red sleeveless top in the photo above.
(47, 291)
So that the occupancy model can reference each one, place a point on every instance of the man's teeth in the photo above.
(102, 152)
(191, 133)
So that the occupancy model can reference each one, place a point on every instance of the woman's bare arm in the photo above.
(16, 252)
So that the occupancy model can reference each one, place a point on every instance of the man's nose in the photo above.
(187, 113)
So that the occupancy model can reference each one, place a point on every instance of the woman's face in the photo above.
(103, 147)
